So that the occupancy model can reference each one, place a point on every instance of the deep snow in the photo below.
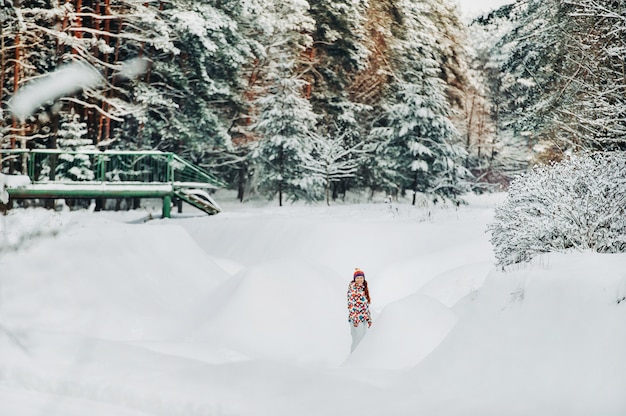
(243, 313)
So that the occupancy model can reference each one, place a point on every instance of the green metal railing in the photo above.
(49, 165)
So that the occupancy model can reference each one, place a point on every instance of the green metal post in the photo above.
(167, 201)
(170, 169)
(101, 167)
(31, 166)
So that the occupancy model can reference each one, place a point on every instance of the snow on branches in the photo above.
(577, 204)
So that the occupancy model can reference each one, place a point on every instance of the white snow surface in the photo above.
(244, 313)
(475, 8)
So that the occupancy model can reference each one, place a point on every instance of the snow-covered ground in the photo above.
(243, 313)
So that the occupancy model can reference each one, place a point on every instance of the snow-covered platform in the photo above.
(35, 174)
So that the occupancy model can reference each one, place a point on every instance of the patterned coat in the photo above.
(358, 309)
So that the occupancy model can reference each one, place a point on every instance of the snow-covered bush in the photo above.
(575, 204)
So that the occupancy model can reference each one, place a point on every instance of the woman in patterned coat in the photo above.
(358, 307)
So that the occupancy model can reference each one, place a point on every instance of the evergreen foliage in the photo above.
(337, 55)
(192, 93)
(285, 117)
(418, 144)
(392, 78)
(285, 121)
(578, 203)
(72, 137)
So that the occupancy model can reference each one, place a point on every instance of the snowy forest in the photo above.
(301, 99)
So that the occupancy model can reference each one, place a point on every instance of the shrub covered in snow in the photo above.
(575, 204)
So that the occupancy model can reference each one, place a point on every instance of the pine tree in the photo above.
(193, 94)
(338, 53)
(418, 142)
(417, 151)
(285, 121)
(74, 166)
(101, 34)
(284, 117)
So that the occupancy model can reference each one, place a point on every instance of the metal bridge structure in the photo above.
(57, 174)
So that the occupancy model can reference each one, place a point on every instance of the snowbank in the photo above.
(108, 279)
(405, 332)
(21, 227)
(547, 338)
(244, 313)
(282, 310)
(402, 278)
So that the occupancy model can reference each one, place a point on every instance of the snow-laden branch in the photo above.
(576, 204)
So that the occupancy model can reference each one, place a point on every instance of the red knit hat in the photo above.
(358, 272)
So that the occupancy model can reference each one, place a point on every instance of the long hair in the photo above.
(365, 288)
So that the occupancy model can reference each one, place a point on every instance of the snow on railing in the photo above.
(55, 165)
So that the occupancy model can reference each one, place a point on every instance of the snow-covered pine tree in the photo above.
(534, 57)
(194, 93)
(338, 53)
(42, 35)
(28, 50)
(452, 49)
(578, 203)
(418, 152)
(470, 108)
(285, 117)
(285, 122)
(74, 166)
(419, 148)
(8, 20)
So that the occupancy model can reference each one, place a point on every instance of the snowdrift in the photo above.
(547, 338)
(405, 332)
(108, 279)
(281, 310)
(244, 313)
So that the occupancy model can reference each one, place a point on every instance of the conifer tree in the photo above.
(285, 121)
(284, 116)
(338, 53)
(193, 94)
(102, 34)
(418, 143)
(72, 137)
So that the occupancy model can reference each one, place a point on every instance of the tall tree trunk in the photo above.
(105, 58)
(16, 83)
(470, 120)
(2, 72)
(107, 130)
(79, 23)
(241, 181)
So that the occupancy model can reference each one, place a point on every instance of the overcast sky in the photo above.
(472, 8)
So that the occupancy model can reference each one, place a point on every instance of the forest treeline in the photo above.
(310, 99)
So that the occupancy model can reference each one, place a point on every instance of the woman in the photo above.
(358, 307)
